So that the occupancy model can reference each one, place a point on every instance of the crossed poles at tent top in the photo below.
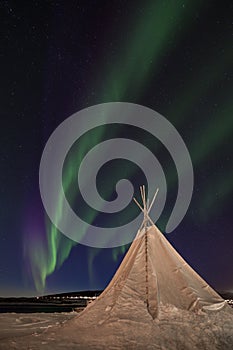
(146, 207)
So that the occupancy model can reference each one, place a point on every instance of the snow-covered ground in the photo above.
(174, 329)
(14, 325)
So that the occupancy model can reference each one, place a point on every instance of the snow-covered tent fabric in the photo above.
(154, 274)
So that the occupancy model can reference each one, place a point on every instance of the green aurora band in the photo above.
(145, 48)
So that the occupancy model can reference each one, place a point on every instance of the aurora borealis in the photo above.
(60, 57)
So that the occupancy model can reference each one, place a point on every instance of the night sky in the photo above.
(58, 57)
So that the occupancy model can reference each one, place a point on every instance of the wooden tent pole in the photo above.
(143, 194)
(152, 202)
(145, 208)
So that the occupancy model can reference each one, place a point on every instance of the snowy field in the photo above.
(174, 329)
(14, 325)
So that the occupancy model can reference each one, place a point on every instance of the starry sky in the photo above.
(58, 57)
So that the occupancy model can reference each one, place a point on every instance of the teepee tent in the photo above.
(152, 274)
